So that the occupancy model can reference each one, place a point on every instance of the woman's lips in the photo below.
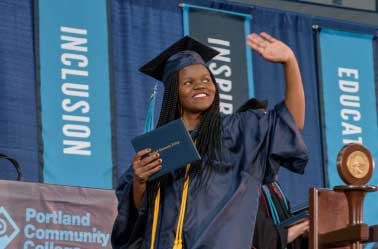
(200, 95)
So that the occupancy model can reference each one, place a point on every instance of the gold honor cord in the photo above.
(155, 219)
(178, 240)
(180, 223)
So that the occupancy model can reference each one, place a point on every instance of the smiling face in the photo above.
(196, 89)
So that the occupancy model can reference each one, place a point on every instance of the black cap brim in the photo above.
(155, 67)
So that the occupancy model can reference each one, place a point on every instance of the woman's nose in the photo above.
(199, 85)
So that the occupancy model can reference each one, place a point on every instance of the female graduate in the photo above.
(211, 203)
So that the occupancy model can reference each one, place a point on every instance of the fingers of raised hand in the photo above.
(255, 46)
(256, 39)
(267, 37)
(258, 42)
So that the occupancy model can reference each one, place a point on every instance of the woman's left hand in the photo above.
(270, 48)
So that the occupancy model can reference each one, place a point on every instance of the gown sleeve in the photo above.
(129, 225)
(285, 146)
(265, 141)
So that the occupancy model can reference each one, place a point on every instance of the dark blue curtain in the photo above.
(18, 116)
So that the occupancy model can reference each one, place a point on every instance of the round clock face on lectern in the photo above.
(355, 164)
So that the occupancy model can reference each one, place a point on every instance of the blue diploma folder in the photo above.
(174, 144)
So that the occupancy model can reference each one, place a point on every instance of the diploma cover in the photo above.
(174, 144)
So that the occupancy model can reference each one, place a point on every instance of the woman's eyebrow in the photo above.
(186, 77)
(201, 75)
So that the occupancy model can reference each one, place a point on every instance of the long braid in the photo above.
(170, 108)
(170, 111)
(210, 128)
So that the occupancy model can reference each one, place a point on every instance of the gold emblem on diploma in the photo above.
(355, 164)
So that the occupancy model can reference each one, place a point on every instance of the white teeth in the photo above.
(200, 95)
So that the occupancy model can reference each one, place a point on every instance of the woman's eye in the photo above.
(205, 80)
(188, 82)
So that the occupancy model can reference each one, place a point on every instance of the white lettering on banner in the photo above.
(222, 73)
(57, 217)
(29, 244)
(350, 101)
(83, 60)
(76, 129)
(67, 231)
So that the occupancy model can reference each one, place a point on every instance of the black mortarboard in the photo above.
(183, 53)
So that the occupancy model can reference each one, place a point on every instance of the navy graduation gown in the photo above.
(220, 213)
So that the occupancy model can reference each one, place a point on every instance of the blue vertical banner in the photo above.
(74, 89)
(225, 31)
(349, 102)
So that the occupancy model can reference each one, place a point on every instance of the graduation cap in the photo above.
(183, 53)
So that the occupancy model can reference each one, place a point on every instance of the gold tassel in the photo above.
(177, 244)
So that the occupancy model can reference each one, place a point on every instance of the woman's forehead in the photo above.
(194, 70)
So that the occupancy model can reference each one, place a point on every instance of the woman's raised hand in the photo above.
(270, 48)
(275, 50)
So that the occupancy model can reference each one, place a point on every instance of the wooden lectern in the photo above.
(336, 215)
